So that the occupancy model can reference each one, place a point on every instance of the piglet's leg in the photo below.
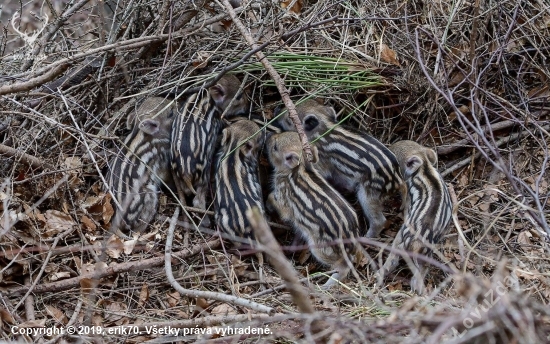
(371, 203)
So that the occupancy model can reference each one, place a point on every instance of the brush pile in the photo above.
(469, 79)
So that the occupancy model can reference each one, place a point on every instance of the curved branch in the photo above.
(202, 293)
(34, 82)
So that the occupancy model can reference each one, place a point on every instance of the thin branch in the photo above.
(43, 268)
(283, 91)
(52, 31)
(124, 45)
(46, 195)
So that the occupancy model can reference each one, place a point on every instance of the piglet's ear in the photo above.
(268, 135)
(130, 120)
(225, 137)
(218, 93)
(315, 154)
(432, 156)
(292, 160)
(150, 126)
(278, 109)
(248, 148)
(261, 138)
(331, 112)
(412, 164)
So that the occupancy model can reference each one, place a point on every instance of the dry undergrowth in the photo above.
(467, 78)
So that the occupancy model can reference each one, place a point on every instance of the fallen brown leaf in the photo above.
(143, 295)
(6, 316)
(114, 247)
(57, 314)
(173, 299)
(57, 222)
(295, 8)
(88, 223)
(33, 323)
(223, 309)
(388, 55)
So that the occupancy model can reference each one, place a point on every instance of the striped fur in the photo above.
(142, 165)
(195, 132)
(304, 200)
(237, 183)
(351, 161)
(428, 207)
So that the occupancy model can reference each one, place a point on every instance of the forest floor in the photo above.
(469, 79)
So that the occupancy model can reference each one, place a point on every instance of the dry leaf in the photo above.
(129, 245)
(148, 236)
(238, 265)
(173, 299)
(13, 217)
(57, 314)
(33, 323)
(90, 268)
(88, 223)
(143, 295)
(304, 256)
(484, 206)
(202, 304)
(77, 263)
(226, 23)
(114, 247)
(6, 316)
(59, 275)
(97, 320)
(93, 206)
(528, 275)
(87, 268)
(335, 338)
(115, 312)
(296, 7)
(395, 287)
(201, 59)
(463, 180)
(473, 199)
(388, 55)
(57, 222)
(87, 284)
(73, 163)
(223, 309)
(108, 210)
(524, 239)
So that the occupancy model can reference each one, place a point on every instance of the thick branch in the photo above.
(34, 82)
(25, 158)
(446, 149)
(114, 269)
(276, 257)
